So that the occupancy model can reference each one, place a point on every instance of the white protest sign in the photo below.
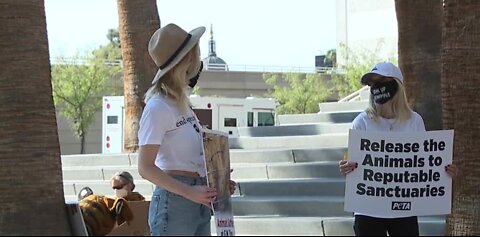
(399, 174)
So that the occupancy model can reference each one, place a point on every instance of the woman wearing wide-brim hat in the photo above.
(171, 154)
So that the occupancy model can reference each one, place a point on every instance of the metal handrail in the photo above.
(260, 68)
(354, 96)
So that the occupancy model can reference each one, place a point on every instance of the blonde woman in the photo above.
(388, 111)
(171, 152)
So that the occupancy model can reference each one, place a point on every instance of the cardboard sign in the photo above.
(139, 225)
(217, 161)
(399, 174)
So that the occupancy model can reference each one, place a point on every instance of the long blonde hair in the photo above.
(173, 84)
(400, 107)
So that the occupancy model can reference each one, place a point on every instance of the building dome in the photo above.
(213, 62)
(212, 59)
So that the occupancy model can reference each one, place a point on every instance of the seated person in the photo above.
(122, 183)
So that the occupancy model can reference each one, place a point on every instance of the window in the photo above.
(230, 122)
(266, 119)
(250, 119)
(112, 119)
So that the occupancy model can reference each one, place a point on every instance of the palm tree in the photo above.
(419, 50)
(461, 105)
(138, 20)
(32, 201)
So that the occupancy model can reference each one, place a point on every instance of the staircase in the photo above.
(288, 177)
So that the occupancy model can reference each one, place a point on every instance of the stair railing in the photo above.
(354, 96)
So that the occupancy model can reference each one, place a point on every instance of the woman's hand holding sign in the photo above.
(346, 167)
(232, 186)
(451, 170)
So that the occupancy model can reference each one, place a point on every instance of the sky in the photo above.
(278, 33)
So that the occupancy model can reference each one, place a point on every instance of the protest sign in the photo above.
(217, 161)
(399, 174)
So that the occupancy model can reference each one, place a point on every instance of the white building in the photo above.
(365, 26)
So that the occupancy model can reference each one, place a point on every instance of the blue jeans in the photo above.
(172, 214)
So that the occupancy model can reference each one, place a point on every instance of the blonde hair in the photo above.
(400, 107)
(173, 84)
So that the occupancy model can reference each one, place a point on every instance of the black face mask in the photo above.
(383, 91)
(194, 80)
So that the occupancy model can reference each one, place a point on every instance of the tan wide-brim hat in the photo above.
(169, 44)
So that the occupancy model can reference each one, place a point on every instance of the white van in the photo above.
(223, 114)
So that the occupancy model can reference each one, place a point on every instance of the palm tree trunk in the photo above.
(461, 106)
(419, 50)
(138, 20)
(32, 201)
(82, 144)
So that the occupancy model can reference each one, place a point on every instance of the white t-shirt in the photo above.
(414, 124)
(363, 122)
(179, 136)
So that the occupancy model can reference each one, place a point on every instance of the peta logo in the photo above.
(401, 206)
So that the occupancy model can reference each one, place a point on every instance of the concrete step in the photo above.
(294, 142)
(321, 117)
(271, 155)
(343, 226)
(241, 171)
(322, 169)
(343, 106)
(84, 173)
(316, 226)
(294, 187)
(261, 155)
(294, 130)
(97, 172)
(319, 154)
(289, 206)
(276, 226)
(69, 189)
(96, 160)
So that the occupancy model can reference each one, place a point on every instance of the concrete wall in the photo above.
(232, 84)
(70, 144)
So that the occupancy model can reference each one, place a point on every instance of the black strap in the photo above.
(176, 52)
